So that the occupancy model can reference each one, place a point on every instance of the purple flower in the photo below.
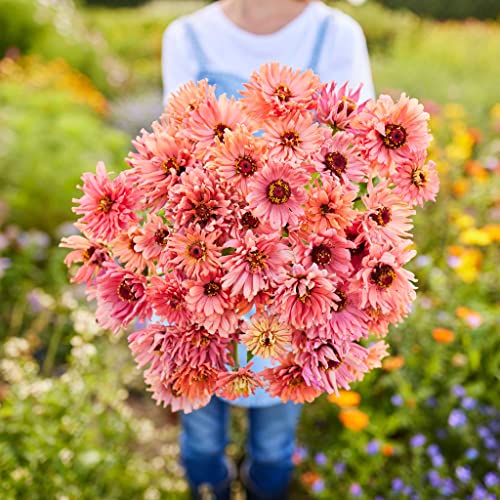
(491, 479)
(437, 460)
(433, 450)
(431, 402)
(490, 443)
(448, 487)
(372, 447)
(434, 478)
(301, 453)
(463, 473)
(397, 400)
(471, 454)
(355, 490)
(320, 458)
(397, 484)
(441, 433)
(457, 418)
(378, 497)
(458, 391)
(318, 486)
(469, 403)
(407, 490)
(417, 441)
(479, 493)
(484, 432)
(339, 468)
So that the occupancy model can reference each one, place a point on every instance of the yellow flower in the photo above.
(354, 419)
(453, 111)
(493, 231)
(443, 335)
(469, 265)
(473, 236)
(345, 399)
(464, 221)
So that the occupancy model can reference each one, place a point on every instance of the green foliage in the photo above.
(457, 9)
(49, 141)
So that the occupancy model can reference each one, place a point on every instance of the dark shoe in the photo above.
(222, 491)
(252, 493)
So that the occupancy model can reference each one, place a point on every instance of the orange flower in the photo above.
(354, 419)
(393, 363)
(472, 318)
(460, 187)
(387, 450)
(443, 335)
(309, 478)
(345, 399)
(493, 230)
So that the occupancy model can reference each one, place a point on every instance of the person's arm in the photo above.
(177, 62)
(361, 68)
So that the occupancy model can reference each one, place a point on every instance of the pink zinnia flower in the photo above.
(91, 254)
(238, 158)
(304, 297)
(147, 345)
(241, 383)
(194, 251)
(393, 131)
(277, 193)
(195, 382)
(376, 353)
(387, 217)
(293, 138)
(121, 297)
(328, 250)
(167, 296)
(124, 249)
(107, 206)
(416, 181)
(277, 90)
(340, 158)
(287, 382)
(255, 265)
(337, 106)
(153, 238)
(330, 206)
(266, 336)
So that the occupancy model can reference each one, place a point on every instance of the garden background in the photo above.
(77, 82)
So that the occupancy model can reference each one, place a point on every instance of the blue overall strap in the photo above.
(199, 54)
(318, 44)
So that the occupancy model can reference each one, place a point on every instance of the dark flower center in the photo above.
(248, 221)
(335, 162)
(246, 166)
(126, 292)
(395, 136)
(256, 260)
(105, 204)
(321, 255)
(418, 177)
(290, 139)
(87, 254)
(348, 104)
(283, 93)
(203, 212)
(171, 163)
(382, 216)
(342, 303)
(219, 131)
(212, 288)
(383, 275)
(161, 236)
(267, 339)
(278, 192)
(326, 209)
(197, 250)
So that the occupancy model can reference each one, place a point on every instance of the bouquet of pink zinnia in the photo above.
(293, 203)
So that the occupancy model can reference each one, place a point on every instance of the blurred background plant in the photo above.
(77, 81)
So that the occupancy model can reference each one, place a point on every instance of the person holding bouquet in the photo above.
(226, 42)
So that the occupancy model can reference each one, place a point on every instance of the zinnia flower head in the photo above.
(240, 383)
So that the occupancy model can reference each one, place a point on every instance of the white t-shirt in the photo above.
(230, 49)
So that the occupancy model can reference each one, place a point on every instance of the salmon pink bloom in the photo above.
(91, 254)
(287, 382)
(277, 90)
(276, 194)
(195, 382)
(376, 353)
(294, 138)
(393, 131)
(153, 238)
(416, 181)
(304, 296)
(194, 251)
(255, 264)
(107, 206)
(124, 249)
(240, 383)
(337, 106)
(121, 297)
(147, 345)
(266, 336)
(167, 296)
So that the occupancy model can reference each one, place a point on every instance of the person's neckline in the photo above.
(231, 25)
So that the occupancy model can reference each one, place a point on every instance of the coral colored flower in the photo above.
(240, 383)
(147, 345)
(337, 106)
(345, 399)
(376, 353)
(393, 363)
(415, 180)
(125, 251)
(304, 296)
(195, 252)
(121, 297)
(472, 318)
(277, 90)
(107, 206)
(354, 419)
(287, 382)
(330, 206)
(393, 131)
(292, 139)
(153, 238)
(195, 382)
(91, 254)
(238, 158)
(255, 265)
(276, 194)
(443, 335)
(267, 337)
(387, 450)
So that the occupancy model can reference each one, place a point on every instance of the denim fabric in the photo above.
(271, 442)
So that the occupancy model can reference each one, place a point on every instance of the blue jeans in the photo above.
(271, 443)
